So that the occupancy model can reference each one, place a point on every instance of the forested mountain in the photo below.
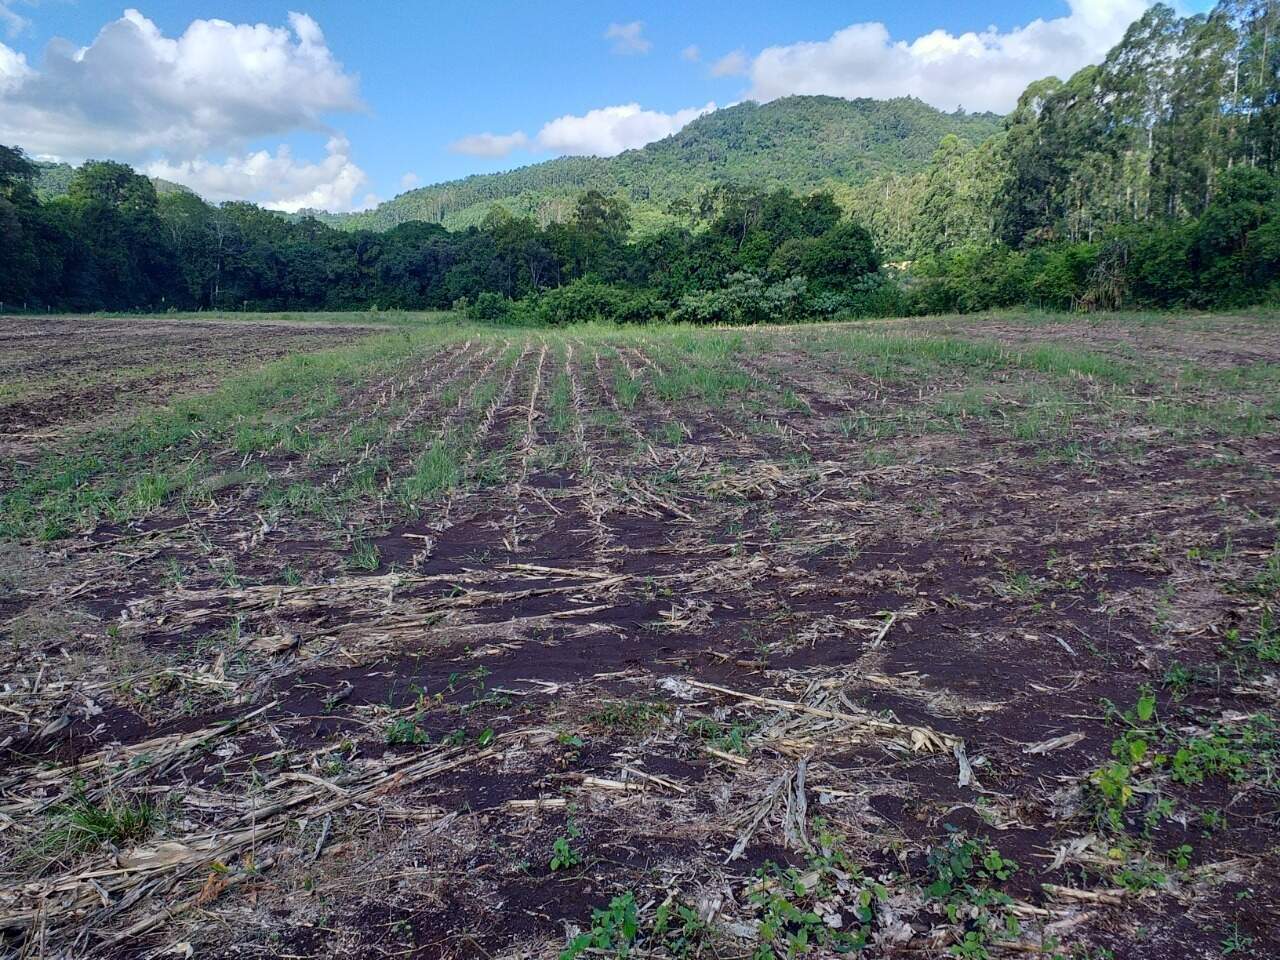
(53, 180)
(800, 143)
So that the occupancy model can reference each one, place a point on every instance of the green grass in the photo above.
(895, 357)
(125, 472)
(82, 825)
(626, 388)
(1050, 395)
(380, 318)
(436, 471)
(560, 402)
(670, 433)
(635, 716)
(364, 556)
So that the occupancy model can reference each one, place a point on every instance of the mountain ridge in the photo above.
(798, 143)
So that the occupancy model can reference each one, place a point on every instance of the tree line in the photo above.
(113, 243)
(1148, 179)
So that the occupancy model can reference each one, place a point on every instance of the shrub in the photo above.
(588, 301)
(745, 299)
(874, 295)
(786, 300)
(490, 308)
(1060, 275)
(969, 278)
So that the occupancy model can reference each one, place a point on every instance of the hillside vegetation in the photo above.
(53, 180)
(1149, 180)
(800, 143)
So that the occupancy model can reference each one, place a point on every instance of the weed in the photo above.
(1232, 752)
(1236, 942)
(967, 874)
(364, 556)
(1114, 781)
(455, 739)
(626, 389)
(563, 856)
(798, 911)
(680, 931)
(404, 731)
(613, 930)
(634, 716)
(671, 433)
(1266, 583)
(436, 471)
(1264, 645)
(1177, 679)
(175, 575)
(725, 737)
(85, 824)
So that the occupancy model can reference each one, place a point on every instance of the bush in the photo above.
(839, 258)
(490, 308)
(1060, 275)
(786, 301)
(875, 295)
(588, 301)
(746, 299)
(969, 278)
(1156, 265)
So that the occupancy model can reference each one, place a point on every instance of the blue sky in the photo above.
(365, 99)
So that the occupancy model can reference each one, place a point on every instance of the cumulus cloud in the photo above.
(13, 69)
(279, 181)
(692, 53)
(987, 69)
(610, 130)
(409, 180)
(600, 133)
(134, 91)
(490, 144)
(165, 103)
(628, 38)
(730, 65)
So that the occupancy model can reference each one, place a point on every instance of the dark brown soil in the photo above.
(74, 372)
(958, 591)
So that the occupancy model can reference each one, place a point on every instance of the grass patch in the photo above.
(82, 825)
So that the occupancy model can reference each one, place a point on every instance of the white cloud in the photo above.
(601, 133)
(692, 53)
(490, 144)
(628, 38)
(730, 65)
(985, 70)
(167, 103)
(409, 180)
(13, 69)
(277, 180)
(133, 91)
(14, 22)
(610, 130)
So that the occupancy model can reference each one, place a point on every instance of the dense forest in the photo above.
(1152, 178)
(1147, 179)
(114, 242)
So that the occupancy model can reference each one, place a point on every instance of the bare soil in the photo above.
(64, 375)
(824, 621)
